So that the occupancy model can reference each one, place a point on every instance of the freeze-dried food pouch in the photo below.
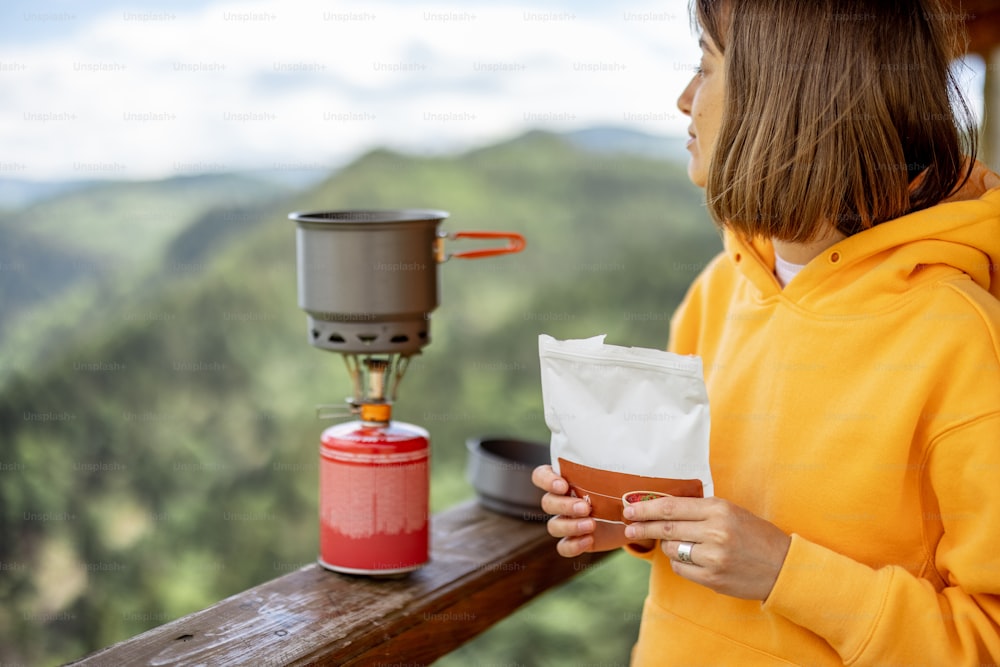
(624, 419)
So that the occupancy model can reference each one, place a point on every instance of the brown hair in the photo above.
(832, 109)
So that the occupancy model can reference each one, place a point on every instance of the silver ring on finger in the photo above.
(684, 551)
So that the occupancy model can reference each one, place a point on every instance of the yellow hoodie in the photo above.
(859, 410)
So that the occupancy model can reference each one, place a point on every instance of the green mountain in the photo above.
(163, 455)
(64, 257)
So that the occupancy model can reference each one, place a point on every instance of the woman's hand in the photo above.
(732, 551)
(572, 522)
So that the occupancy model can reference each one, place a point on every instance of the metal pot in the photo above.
(367, 279)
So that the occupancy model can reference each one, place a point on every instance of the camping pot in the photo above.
(367, 279)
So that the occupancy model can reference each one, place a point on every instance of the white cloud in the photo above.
(258, 84)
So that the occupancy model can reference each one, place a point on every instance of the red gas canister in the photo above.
(374, 494)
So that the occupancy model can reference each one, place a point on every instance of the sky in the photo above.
(146, 89)
(152, 89)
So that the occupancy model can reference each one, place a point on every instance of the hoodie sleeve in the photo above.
(888, 615)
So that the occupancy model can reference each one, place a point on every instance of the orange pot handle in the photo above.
(516, 243)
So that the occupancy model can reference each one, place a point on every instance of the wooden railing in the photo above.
(483, 567)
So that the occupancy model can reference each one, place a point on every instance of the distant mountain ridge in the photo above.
(16, 193)
(627, 141)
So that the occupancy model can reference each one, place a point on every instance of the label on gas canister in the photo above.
(375, 494)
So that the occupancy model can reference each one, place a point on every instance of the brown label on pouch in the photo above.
(603, 489)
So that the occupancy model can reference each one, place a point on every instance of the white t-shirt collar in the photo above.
(785, 271)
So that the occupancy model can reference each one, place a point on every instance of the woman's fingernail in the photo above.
(584, 526)
(628, 513)
(581, 508)
(630, 531)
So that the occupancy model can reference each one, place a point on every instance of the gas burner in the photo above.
(367, 281)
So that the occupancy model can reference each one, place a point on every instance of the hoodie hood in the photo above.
(960, 235)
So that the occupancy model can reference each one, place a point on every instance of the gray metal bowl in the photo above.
(499, 469)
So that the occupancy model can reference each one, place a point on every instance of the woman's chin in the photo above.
(696, 174)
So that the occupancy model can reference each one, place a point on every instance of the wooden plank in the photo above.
(483, 567)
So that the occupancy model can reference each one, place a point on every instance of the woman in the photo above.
(850, 333)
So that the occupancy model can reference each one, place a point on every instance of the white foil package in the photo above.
(625, 419)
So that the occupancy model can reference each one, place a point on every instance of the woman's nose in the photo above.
(684, 101)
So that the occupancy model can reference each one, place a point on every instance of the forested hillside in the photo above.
(159, 449)
(62, 256)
